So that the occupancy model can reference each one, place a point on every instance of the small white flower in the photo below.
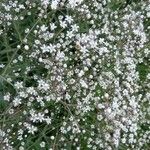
(7, 97)
(53, 26)
(148, 14)
(106, 95)
(48, 120)
(101, 106)
(68, 19)
(45, 2)
(32, 129)
(42, 144)
(54, 4)
(18, 85)
(45, 48)
(81, 73)
(43, 28)
(21, 148)
(43, 85)
(83, 84)
(16, 102)
(52, 137)
(26, 47)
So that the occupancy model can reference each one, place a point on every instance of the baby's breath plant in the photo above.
(74, 74)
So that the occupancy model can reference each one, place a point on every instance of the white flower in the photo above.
(69, 19)
(43, 28)
(42, 144)
(21, 148)
(148, 14)
(2, 133)
(45, 48)
(52, 137)
(52, 48)
(1, 31)
(31, 91)
(18, 85)
(63, 24)
(16, 102)
(101, 106)
(54, 4)
(34, 117)
(26, 47)
(60, 55)
(74, 3)
(48, 120)
(7, 97)
(40, 117)
(81, 73)
(74, 27)
(31, 129)
(106, 95)
(83, 84)
(43, 85)
(45, 2)
(53, 26)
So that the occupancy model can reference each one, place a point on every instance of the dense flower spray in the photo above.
(74, 75)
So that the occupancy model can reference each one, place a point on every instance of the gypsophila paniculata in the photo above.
(74, 75)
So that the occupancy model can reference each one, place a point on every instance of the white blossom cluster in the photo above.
(77, 75)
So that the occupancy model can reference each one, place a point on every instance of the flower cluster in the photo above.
(74, 74)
